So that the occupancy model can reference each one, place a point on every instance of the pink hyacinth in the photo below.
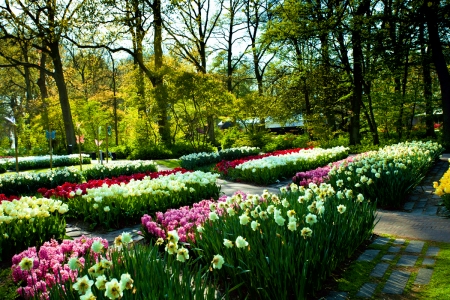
(50, 264)
(184, 220)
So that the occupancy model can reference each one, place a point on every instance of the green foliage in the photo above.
(122, 151)
(288, 141)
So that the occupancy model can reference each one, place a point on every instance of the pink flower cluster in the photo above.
(183, 220)
(50, 265)
(318, 175)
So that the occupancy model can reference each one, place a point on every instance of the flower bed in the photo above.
(30, 221)
(39, 162)
(443, 189)
(224, 166)
(282, 247)
(87, 269)
(101, 171)
(318, 175)
(389, 174)
(111, 206)
(28, 183)
(194, 160)
(273, 168)
(68, 189)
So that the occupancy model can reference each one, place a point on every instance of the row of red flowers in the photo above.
(223, 166)
(65, 190)
(8, 198)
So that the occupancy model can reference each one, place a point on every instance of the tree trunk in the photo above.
(440, 65)
(63, 96)
(356, 100)
(158, 84)
(427, 83)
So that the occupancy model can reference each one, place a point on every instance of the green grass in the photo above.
(358, 273)
(7, 286)
(439, 287)
(169, 163)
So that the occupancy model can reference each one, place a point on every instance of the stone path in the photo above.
(397, 262)
(423, 201)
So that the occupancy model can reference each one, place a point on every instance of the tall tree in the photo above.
(434, 17)
(43, 23)
(192, 27)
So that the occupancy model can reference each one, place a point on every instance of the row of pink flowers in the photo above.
(50, 264)
(65, 190)
(184, 220)
(223, 166)
(318, 175)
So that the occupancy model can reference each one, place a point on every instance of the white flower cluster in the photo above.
(128, 165)
(163, 185)
(29, 208)
(20, 178)
(244, 149)
(200, 156)
(271, 162)
(401, 156)
(43, 158)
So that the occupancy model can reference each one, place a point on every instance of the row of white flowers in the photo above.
(29, 208)
(281, 160)
(33, 162)
(162, 185)
(193, 160)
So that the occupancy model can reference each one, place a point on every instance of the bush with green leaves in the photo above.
(283, 247)
(389, 174)
(27, 183)
(39, 162)
(117, 168)
(118, 205)
(28, 222)
(194, 160)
